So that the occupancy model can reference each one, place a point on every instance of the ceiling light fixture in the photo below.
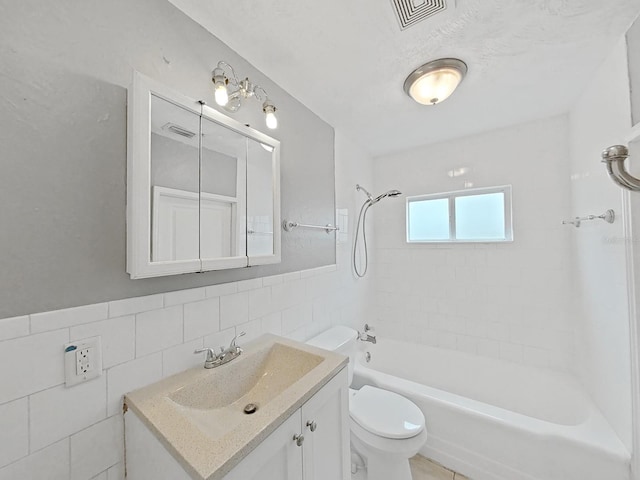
(231, 99)
(435, 81)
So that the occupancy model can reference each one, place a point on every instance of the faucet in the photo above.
(225, 356)
(365, 336)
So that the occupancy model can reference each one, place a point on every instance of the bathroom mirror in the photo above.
(202, 190)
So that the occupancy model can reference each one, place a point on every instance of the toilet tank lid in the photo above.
(334, 339)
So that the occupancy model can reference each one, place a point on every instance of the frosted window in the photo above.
(480, 217)
(472, 215)
(429, 220)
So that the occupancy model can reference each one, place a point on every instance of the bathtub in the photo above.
(493, 420)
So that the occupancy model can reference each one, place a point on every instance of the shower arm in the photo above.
(614, 157)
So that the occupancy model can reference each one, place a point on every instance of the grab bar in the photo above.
(288, 226)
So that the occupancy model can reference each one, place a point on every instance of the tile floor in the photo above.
(424, 469)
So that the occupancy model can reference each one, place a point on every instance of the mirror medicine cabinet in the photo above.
(203, 190)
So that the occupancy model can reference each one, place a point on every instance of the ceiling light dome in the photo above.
(435, 81)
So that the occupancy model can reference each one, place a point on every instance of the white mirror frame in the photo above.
(139, 213)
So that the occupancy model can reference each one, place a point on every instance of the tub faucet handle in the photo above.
(368, 334)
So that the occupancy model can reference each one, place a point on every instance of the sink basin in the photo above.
(215, 403)
(198, 415)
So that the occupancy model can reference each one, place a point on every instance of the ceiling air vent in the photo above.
(410, 12)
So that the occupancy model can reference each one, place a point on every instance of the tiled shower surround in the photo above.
(77, 432)
(508, 300)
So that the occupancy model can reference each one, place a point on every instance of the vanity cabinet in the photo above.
(311, 444)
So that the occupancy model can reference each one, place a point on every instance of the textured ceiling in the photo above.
(347, 60)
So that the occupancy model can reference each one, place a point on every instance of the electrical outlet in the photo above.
(82, 361)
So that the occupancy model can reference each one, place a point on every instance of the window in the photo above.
(474, 215)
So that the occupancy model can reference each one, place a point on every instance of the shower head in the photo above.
(390, 193)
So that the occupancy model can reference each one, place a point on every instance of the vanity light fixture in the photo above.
(230, 93)
(435, 81)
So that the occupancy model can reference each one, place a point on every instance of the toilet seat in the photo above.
(386, 414)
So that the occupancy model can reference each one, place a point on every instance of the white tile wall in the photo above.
(510, 301)
(76, 433)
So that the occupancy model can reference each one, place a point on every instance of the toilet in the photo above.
(386, 428)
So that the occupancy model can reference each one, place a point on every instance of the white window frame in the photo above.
(451, 196)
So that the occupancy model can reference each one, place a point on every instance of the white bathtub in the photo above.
(493, 420)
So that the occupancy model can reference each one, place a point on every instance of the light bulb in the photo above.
(271, 120)
(270, 115)
(221, 94)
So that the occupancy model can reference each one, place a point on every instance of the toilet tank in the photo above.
(338, 339)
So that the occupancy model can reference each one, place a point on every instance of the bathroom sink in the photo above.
(216, 402)
(199, 414)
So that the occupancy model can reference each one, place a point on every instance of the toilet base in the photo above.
(381, 465)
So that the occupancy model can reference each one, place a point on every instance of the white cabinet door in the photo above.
(278, 457)
(325, 423)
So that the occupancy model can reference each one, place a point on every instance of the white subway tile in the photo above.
(272, 280)
(312, 272)
(201, 318)
(42, 322)
(219, 339)
(252, 330)
(222, 289)
(52, 461)
(97, 448)
(129, 306)
(299, 335)
(181, 357)
(158, 329)
(272, 323)
(489, 348)
(234, 309)
(288, 294)
(131, 376)
(58, 412)
(117, 337)
(14, 327)
(296, 317)
(290, 277)
(535, 357)
(260, 303)
(251, 284)
(184, 296)
(33, 363)
(321, 285)
(447, 340)
(511, 352)
(14, 431)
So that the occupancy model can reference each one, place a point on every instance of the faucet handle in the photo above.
(368, 328)
(233, 345)
(211, 353)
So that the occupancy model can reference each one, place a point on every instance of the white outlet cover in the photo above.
(78, 369)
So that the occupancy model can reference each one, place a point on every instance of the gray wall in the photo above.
(64, 70)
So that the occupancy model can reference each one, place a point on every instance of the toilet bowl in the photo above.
(386, 428)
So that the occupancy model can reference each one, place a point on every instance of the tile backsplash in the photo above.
(77, 432)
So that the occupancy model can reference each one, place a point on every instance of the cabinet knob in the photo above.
(299, 439)
(312, 425)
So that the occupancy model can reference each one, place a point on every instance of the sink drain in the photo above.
(250, 408)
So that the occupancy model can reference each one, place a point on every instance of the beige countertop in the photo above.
(197, 414)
